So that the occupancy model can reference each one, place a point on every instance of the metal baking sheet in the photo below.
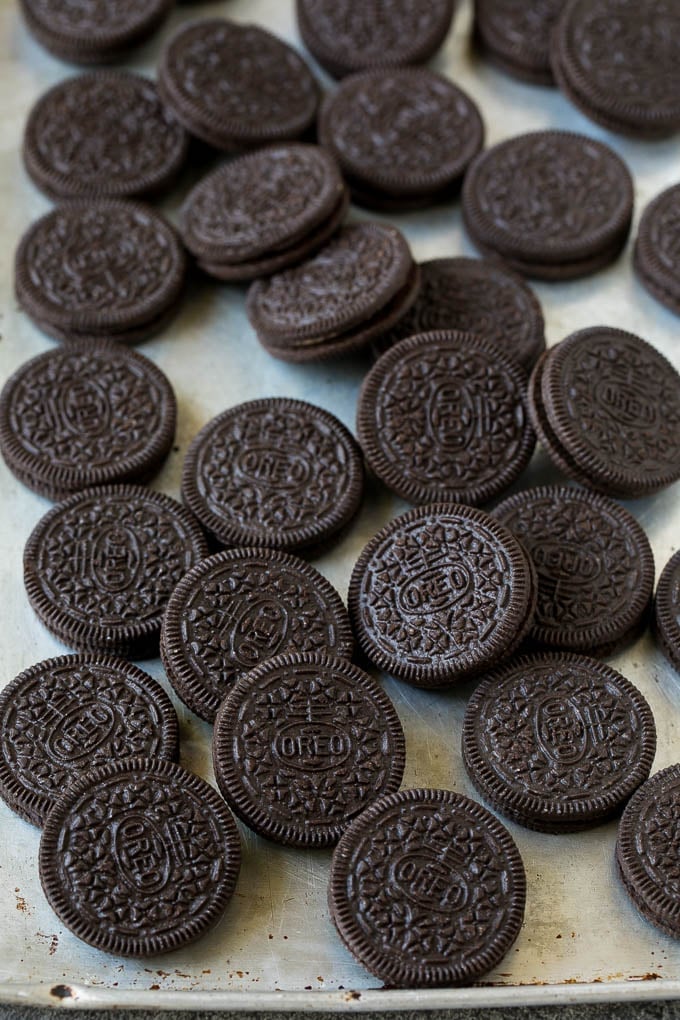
(276, 947)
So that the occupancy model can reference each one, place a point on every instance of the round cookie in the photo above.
(594, 564)
(619, 62)
(440, 594)
(443, 417)
(515, 36)
(139, 857)
(274, 472)
(103, 135)
(236, 86)
(100, 567)
(554, 205)
(557, 742)
(405, 135)
(240, 608)
(427, 888)
(91, 413)
(303, 744)
(352, 35)
(667, 611)
(656, 255)
(66, 715)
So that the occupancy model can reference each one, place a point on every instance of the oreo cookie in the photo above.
(238, 609)
(606, 406)
(105, 268)
(357, 287)
(64, 716)
(443, 417)
(427, 888)
(274, 472)
(656, 257)
(100, 567)
(552, 204)
(103, 135)
(619, 62)
(440, 594)
(403, 137)
(303, 744)
(667, 611)
(557, 742)
(236, 86)
(264, 211)
(515, 36)
(352, 35)
(594, 564)
(90, 413)
(139, 857)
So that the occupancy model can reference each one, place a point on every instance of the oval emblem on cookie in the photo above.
(81, 731)
(141, 854)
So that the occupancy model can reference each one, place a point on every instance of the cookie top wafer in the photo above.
(656, 257)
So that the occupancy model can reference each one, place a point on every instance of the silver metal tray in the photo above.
(276, 948)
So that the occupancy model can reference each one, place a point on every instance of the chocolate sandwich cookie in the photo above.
(66, 715)
(647, 849)
(557, 742)
(656, 256)
(357, 287)
(474, 296)
(618, 61)
(352, 35)
(100, 567)
(93, 31)
(273, 472)
(552, 204)
(139, 857)
(515, 36)
(443, 417)
(606, 405)
(103, 135)
(403, 137)
(107, 267)
(87, 414)
(427, 888)
(303, 744)
(594, 564)
(236, 86)
(441, 593)
(238, 609)
(667, 611)
(264, 211)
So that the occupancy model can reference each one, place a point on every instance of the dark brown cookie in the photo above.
(594, 564)
(427, 888)
(515, 36)
(100, 567)
(139, 857)
(405, 134)
(66, 715)
(656, 256)
(240, 608)
(667, 611)
(557, 742)
(474, 296)
(303, 744)
(236, 85)
(103, 135)
(357, 286)
(610, 405)
(441, 593)
(99, 268)
(93, 31)
(619, 62)
(555, 205)
(351, 35)
(270, 206)
(443, 417)
(83, 415)
(273, 472)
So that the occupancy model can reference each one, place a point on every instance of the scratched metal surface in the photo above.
(276, 947)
